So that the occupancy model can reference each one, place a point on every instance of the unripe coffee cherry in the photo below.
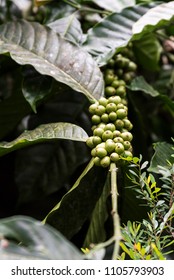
(118, 140)
(127, 145)
(97, 161)
(127, 136)
(109, 78)
(101, 145)
(111, 107)
(98, 131)
(116, 133)
(109, 71)
(121, 91)
(96, 140)
(119, 148)
(115, 83)
(93, 152)
(100, 110)
(132, 66)
(114, 157)
(96, 119)
(92, 108)
(105, 162)
(90, 143)
(109, 91)
(113, 116)
(101, 125)
(119, 124)
(100, 152)
(121, 113)
(105, 118)
(127, 124)
(120, 106)
(110, 126)
(114, 99)
(103, 101)
(110, 145)
(128, 154)
(107, 135)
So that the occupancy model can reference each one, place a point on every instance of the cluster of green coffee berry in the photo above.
(111, 138)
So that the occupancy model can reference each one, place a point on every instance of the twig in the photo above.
(116, 219)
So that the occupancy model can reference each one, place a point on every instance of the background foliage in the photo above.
(52, 58)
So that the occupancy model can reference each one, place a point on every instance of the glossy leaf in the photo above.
(162, 156)
(44, 133)
(114, 6)
(148, 52)
(38, 45)
(68, 27)
(36, 241)
(78, 203)
(96, 232)
(155, 18)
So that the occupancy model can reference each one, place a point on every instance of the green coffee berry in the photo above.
(92, 108)
(113, 116)
(107, 135)
(115, 83)
(121, 113)
(110, 145)
(105, 118)
(132, 66)
(128, 154)
(98, 131)
(93, 152)
(114, 157)
(110, 126)
(119, 148)
(121, 91)
(100, 110)
(109, 78)
(90, 143)
(122, 83)
(96, 140)
(103, 101)
(100, 152)
(119, 72)
(120, 106)
(127, 124)
(110, 91)
(118, 140)
(101, 145)
(96, 119)
(116, 133)
(119, 124)
(97, 161)
(127, 136)
(109, 71)
(105, 162)
(114, 99)
(111, 63)
(111, 107)
(127, 145)
(101, 125)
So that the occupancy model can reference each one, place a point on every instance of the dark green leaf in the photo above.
(77, 204)
(44, 133)
(114, 6)
(162, 156)
(113, 32)
(96, 232)
(36, 87)
(38, 45)
(147, 52)
(68, 27)
(140, 84)
(36, 241)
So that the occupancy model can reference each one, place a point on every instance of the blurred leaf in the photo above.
(162, 156)
(38, 45)
(43, 133)
(36, 87)
(114, 6)
(78, 203)
(96, 232)
(69, 28)
(147, 52)
(113, 32)
(155, 18)
(140, 84)
(36, 241)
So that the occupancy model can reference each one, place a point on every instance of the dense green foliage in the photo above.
(86, 113)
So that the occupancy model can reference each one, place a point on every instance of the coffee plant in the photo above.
(86, 129)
